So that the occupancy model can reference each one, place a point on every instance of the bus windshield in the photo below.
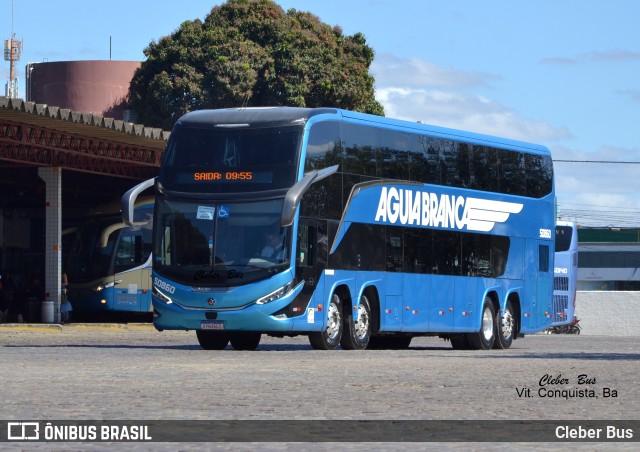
(105, 245)
(224, 160)
(219, 244)
(563, 238)
(91, 259)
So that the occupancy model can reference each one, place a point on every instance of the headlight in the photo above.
(276, 294)
(101, 287)
(161, 296)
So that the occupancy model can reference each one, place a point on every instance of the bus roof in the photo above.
(281, 116)
(252, 116)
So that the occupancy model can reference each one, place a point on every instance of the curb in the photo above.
(58, 328)
(51, 328)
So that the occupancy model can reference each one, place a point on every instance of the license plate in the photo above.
(212, 325)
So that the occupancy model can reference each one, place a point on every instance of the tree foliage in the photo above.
(252, 53)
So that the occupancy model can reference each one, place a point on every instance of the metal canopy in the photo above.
(42, 135)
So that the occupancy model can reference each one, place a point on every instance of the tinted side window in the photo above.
(393, 148)
(324, 199)
(394, 250)
(425, 159)
(543, 258)
(360, 147)
(484, 168)
(539, 173)
(512, 175)
(418, 252)
(361, 248)
(446, 253)
(323, 149)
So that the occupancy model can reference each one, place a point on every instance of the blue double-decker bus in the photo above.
(565, 273)
(356, 230)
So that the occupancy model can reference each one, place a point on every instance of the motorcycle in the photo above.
(570, 328)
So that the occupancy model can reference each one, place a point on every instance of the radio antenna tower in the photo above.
(12, 51)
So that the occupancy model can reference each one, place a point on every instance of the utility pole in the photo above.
(12, 51)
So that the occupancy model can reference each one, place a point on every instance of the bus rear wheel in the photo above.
(505, 328)
(329, 337)
(245, 341)
(212, 340)
(357, 333)
(484, 339)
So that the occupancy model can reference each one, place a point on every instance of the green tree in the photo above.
(252, 53)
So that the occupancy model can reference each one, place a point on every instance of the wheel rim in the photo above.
(334, 322)
(362, 325)
(507, 324)
(487, 324)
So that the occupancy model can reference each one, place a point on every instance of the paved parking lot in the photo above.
(135, 373)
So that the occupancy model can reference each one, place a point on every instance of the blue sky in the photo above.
(565, 74)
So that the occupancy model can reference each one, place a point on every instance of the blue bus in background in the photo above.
(355, 230)
(109, 264)
(565, 273)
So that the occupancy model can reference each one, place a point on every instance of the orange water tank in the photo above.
(99, 87)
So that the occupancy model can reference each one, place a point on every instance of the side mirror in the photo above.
(128, 201)
(295, 193)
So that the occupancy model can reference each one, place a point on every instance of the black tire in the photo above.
(484, 339)
(329, 337)
(212, 340)
(245, 341)
(505, 328)
(357, 333)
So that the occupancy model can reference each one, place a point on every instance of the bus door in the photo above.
(129, 283)
(538, 285)
(545, 281)
(311, 256)
(392, 311)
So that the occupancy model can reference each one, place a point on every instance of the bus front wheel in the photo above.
(212, 340)
(245, 341)
(484, 339)
(357, 333)
(329, 337)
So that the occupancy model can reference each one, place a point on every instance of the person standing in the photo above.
(65, 304)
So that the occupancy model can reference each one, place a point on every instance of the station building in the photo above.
(608, 259)
(70, 146)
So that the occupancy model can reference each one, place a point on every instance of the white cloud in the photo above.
(598, 193)
(607, 56)
(415, 72)
(631, 94)
(417, 90)
(590, 193)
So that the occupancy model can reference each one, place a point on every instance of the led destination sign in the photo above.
(226, 176)
(233, 176)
